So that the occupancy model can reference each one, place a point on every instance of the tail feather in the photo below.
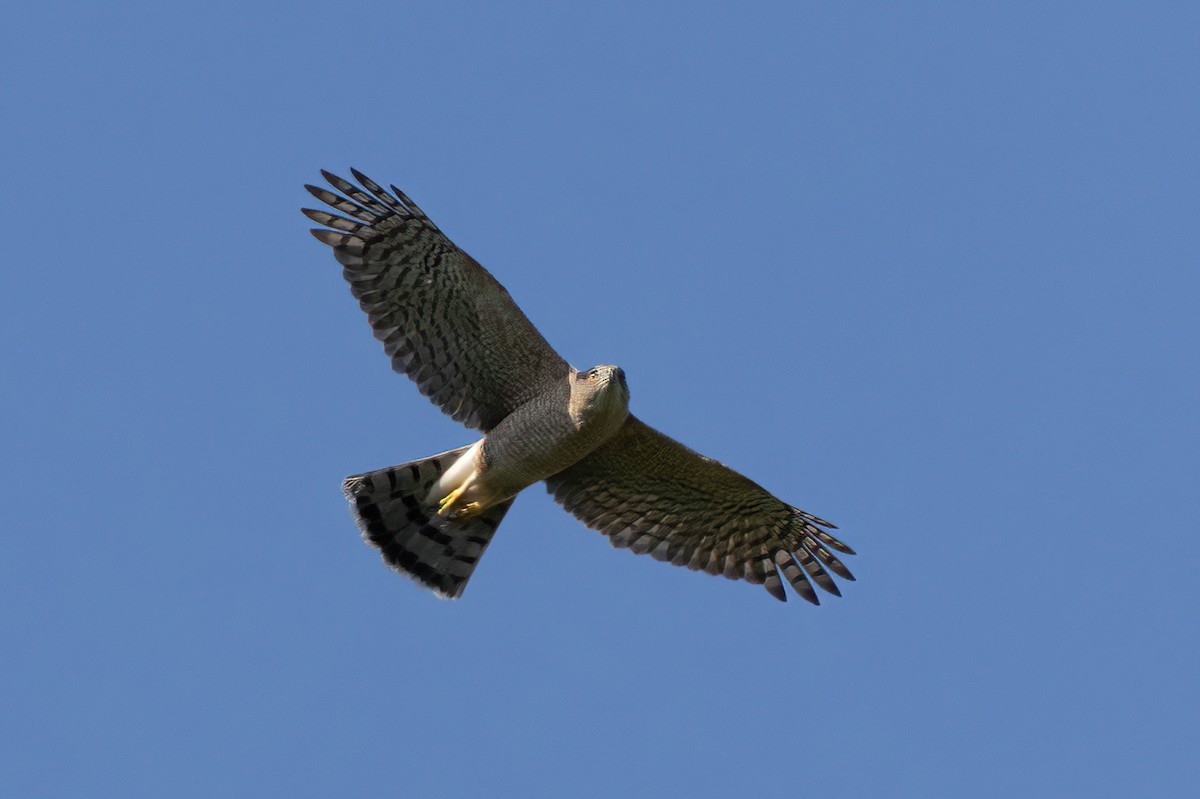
(389, 506)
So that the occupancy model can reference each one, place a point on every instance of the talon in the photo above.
(444, 507)
(465, 512)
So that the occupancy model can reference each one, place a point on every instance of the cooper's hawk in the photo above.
(447, 324)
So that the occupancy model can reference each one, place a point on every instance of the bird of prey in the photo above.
(450, 326)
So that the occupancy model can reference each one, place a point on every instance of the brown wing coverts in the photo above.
(443, 319)
(650, 493)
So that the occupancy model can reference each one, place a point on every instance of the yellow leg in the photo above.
(444, 507)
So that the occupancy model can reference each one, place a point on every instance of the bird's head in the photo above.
(599, 392)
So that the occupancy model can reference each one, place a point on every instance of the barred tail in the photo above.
(390, 509)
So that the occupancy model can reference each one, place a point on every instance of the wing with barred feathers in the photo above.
(443, 319)
(650, 493)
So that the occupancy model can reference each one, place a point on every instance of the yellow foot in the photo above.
(447, 503)
(466, 512)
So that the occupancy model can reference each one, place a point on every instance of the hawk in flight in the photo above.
(450, 326)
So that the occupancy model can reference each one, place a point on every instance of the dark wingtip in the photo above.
(402, 197)
(330, 237)
(321, 194)
(831, 541)
(839, 568)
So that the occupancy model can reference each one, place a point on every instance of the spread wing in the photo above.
(443, 320)
(653, 495)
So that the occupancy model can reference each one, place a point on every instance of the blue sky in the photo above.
(930, 271)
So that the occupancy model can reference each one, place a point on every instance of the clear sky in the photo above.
(930, 271)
